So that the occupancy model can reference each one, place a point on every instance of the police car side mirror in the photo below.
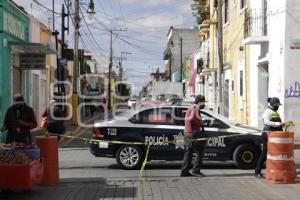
(133, 120)
(206, 122)
(219, 124)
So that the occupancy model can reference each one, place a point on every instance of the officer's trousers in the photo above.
(189, 148)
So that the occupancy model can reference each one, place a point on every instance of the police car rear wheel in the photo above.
(245, 156)
(129, 157)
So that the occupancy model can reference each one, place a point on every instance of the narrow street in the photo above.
(149, 99)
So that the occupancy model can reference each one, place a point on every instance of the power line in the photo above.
(138, 47)
(165, 9)
(90, 31)
(40, 4)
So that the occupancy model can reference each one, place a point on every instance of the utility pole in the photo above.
(55, 33)
(63, 56)
(110, 67)
(220, 52)
(109, 72)
(181, 64)
(75, 67)
(121, 64)
(170, 67)
(53, 17)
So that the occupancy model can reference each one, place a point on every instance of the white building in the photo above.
(273, 33)
(40, 79)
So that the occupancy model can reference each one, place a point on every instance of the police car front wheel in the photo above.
(245, 156)
(129, 157)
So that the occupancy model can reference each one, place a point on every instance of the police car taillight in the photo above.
(97, 133)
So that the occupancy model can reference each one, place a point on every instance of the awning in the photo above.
(28, 47)
(32, 56)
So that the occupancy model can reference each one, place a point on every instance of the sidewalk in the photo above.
(163, 188)
(90, 184)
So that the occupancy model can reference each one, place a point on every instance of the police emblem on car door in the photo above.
(152, 122)
(215, 130)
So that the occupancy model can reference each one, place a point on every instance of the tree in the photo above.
(144, 90)
(123, 89)
(85, 69)
(200, 9)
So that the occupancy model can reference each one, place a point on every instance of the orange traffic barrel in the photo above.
(49, 152)
(280, 165)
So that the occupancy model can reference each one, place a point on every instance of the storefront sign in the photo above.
(32, 61)
(295, 43)
(13, 26)
(175, 76)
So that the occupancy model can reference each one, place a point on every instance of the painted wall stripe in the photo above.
(281, 140)
(280, 157)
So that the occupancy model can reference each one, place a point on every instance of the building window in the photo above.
(241, 83)
(199, 65)
(242, 4)
(226, 12)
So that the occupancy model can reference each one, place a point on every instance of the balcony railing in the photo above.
(255, 23)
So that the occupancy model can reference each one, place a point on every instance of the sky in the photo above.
(146, 23)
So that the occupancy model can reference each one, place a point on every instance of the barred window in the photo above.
(243, 4)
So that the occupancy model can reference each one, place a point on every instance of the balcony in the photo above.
(255, 27)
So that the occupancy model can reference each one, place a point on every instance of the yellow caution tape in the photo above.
(142, 170)
(148, 144)
(288, 124)
(142, 174)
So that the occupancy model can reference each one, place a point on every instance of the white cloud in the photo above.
(155, 22)
(126, 2)
(185, 8)
(158, 2)
(149, 3)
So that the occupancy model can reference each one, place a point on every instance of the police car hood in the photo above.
(247, 129)
(113, 122)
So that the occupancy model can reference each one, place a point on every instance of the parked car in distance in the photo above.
(132, 102)
(173, 99)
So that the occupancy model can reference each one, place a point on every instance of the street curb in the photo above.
(296, 146)
(73, 148)
(76, 132)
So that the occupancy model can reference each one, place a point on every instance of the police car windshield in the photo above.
(220, 117)
(125, 114)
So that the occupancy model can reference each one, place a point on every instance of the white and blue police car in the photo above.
(163, 127)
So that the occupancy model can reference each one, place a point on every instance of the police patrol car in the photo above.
(161, 126)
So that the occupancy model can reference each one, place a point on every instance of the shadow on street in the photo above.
(90, 188)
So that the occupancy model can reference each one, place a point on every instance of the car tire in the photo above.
(129, 157)
(245, 156)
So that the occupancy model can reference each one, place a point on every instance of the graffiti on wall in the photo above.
(293, 91)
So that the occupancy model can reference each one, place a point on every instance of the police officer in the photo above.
(193, 129)
(272, 122)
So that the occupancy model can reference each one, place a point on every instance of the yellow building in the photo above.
(47, 38)
(236, 83)
(208, 76)
(235, 77)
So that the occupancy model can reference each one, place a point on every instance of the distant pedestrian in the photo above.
(19, 119)
(272, 122)
(194, 129)
(89, 108)
(55, 125)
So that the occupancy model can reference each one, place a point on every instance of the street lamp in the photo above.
(91, 9)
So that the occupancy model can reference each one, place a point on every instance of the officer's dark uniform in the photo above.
(275, 117)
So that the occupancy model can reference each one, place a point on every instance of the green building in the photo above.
(14, 30)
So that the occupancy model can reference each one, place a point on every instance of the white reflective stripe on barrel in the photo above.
(279, 157)
(281, 140)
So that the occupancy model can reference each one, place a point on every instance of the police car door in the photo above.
(153, 123)
(216, 146)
